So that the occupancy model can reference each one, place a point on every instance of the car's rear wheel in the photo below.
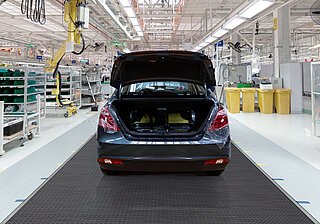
(109, 172)
(214, 172)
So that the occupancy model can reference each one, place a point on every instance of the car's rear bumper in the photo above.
(176, 158)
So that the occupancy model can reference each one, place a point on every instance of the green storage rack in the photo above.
(22, 92)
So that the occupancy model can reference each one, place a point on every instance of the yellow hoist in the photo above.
(76, 14)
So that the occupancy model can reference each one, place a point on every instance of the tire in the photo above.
(30, 136)
(108, 172)
(214, 172)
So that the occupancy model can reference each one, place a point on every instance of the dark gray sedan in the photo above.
(162, 116)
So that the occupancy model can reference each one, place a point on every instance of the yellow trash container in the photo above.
(282, 100)
(233, 99)
(265, 100)
(248, 97)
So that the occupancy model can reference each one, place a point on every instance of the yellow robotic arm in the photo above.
(72, 15)
(77, 16)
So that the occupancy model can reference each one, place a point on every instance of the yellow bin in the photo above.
(282, 100)
(233, 99)
(265, 100)
(248, 96)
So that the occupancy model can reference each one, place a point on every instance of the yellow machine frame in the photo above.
(74, 38)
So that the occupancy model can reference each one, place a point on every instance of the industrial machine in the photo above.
(76, 14)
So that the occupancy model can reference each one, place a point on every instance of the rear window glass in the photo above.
(163, 88)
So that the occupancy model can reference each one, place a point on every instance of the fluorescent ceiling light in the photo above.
(255, 7)
(125, 3)
(107, 10)
(196, 48)
(203, 44)
(220, 32)
(140, 34)
(129, 12)
(210, 39)
(315, 46)
(137, 28)
(234, 22)
(134, 21)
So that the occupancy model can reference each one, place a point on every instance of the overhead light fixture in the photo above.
(125, 3)
(134, 21)
(220, 32)
(138, 28)
(129, 12)
(210, 39)
(106, 9)
(203, 44)
(315, 46)
(131, 15)
(255, 7)
(234, 22)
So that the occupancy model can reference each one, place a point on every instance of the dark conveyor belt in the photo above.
(80, 193)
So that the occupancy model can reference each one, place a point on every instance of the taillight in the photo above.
(220, 121)
(216, 161)
(111, 161)
(107, 122)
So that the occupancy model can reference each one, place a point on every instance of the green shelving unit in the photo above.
(22, 95)
(20, 85)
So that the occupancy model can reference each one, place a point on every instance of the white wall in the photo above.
(266, 70)
(292, 79)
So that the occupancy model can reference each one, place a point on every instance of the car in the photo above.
(162, 116)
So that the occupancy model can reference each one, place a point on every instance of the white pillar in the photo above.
(281, 38)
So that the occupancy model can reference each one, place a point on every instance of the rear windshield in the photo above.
(163, 88)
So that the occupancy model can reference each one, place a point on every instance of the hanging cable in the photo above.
(83, 46)
(57, 74)
(237, 47)
(96, 46)
(34, 10)
(2, 1)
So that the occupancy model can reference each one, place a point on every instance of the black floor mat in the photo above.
(80, 193)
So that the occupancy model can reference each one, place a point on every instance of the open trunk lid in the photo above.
(162, 65)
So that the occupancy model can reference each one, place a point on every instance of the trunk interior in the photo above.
(163, 116)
